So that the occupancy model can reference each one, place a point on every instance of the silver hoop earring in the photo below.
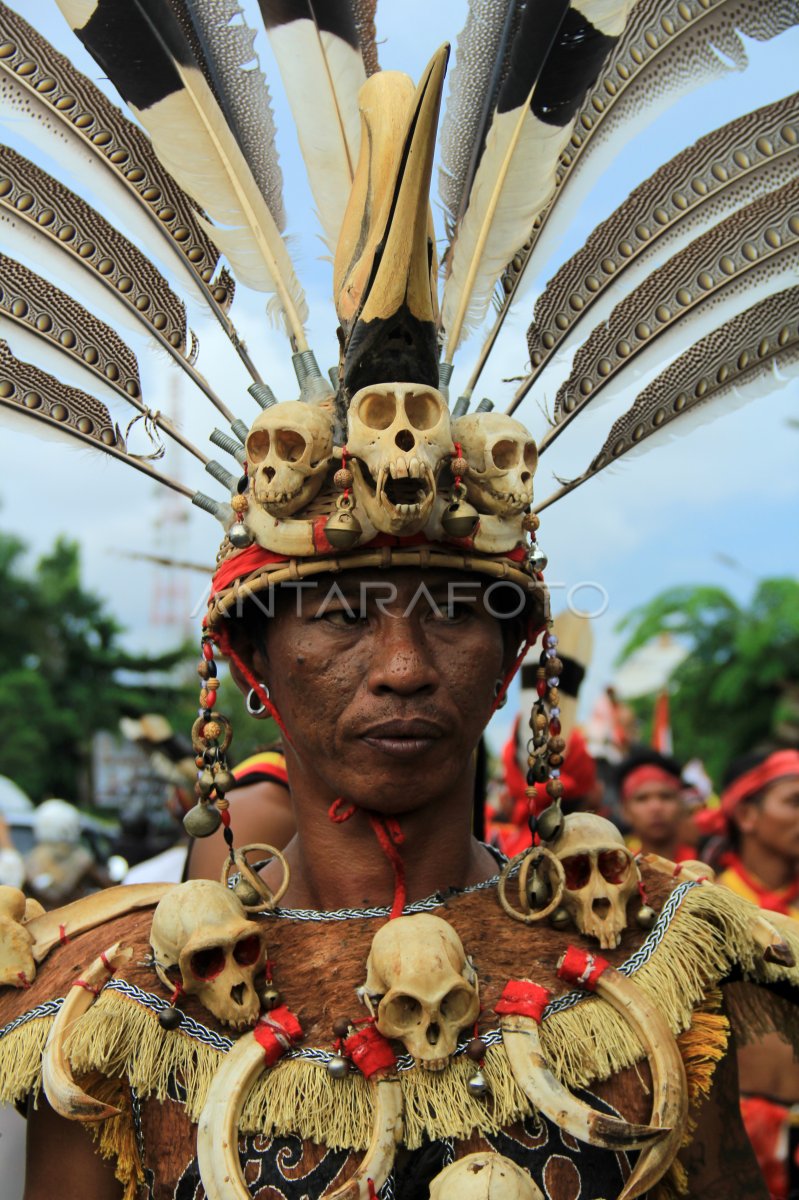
(254, 704)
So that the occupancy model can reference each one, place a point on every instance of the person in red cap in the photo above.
(758, 822)
(758, 817)
(651, 789)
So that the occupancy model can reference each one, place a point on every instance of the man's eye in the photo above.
(342, 617)
(452, 613)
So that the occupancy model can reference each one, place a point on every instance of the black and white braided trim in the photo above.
(48, 1009)
(191, 1028)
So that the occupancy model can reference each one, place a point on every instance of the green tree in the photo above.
(739, 685)
(63, 672)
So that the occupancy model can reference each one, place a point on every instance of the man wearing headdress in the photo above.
(383, 1009)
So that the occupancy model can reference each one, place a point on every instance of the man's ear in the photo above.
(254, 661)
(745, 817)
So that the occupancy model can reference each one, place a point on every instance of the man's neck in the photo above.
(667, 848)
(772, 869)
(341, 863)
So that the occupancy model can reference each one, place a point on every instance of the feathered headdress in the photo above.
(688, 287)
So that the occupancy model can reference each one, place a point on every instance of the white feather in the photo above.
(513, 184)
(322, 76)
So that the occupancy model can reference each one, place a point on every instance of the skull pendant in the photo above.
(601, 876)
(502, 459)
(202, 940)
(423, 985)
(289, 449)
(399, 438)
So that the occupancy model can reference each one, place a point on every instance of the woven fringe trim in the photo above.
(702, 1046)
(116, 1138)
(21, 1060)
(590, 1041)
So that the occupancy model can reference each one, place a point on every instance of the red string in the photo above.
(104, 960)
(506, 682)
(23, 979)
(336, 815)
(178, 992)
(642, 892)
(62, 935)
(256, 685)
(372, 1192)
(390, 836)
(89, 987)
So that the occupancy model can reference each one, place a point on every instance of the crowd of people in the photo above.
(748, 837)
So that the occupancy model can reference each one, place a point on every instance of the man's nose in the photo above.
(401, 660)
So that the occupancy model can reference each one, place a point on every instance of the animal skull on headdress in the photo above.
(426, 986)
(201, 929)
(399, 437)
(600, 876)
(502, 459)
(289, 448)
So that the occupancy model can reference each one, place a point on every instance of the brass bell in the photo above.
(477, 1085)
(537, 889)
(269, 996)
(459, 519)
(338, 1067)
(239, 535)
(245, 891)
(343, 528)
(646, 916)
(224, 780)
(202, 821)
(550, 822)
(560, 919)
(206, 782)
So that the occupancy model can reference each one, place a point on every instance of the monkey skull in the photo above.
(425, 986)
(601, 876)
(201, 932)
(289, 448)
(399, 438)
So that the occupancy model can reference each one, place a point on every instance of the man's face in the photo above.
(654, 811)
(773, 822)
(385, 681)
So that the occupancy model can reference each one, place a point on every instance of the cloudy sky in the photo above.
(720, 506)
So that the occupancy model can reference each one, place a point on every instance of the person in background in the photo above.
(60, 868)
(12, 867)
(756, 833)
(651, 786)
(758, 819)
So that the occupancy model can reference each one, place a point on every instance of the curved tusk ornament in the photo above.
(218, 1127)
(63, 1094)
(521, 1009)
(375, 1167)
(218, 1135)
(374, 1058)
(669, 1084)
(49, 929)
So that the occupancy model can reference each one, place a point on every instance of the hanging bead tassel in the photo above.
(211, 736)
(546, 746)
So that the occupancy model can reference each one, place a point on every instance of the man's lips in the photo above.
(402, 738)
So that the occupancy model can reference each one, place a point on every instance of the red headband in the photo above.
(648, 773)
(246, 562)
(778, 765)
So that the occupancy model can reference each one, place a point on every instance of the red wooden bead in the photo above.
(554, 726)
(208, 650)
